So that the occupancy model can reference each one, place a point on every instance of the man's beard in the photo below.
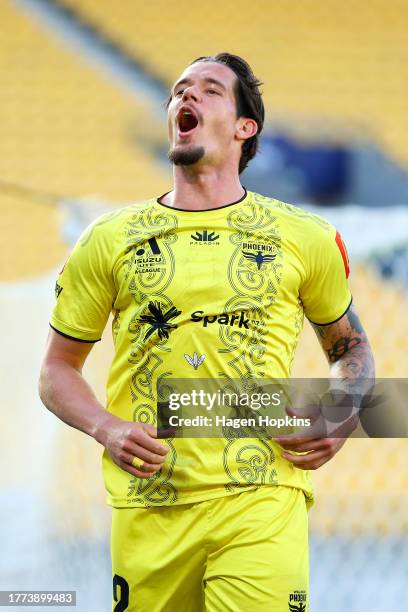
(185, 157)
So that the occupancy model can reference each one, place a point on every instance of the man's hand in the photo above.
(318, 445)
(317, 451)
(352, 372)
(133, 446)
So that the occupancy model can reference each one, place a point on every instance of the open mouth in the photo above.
(187, 121)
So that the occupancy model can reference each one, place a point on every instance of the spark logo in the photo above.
(233, 319)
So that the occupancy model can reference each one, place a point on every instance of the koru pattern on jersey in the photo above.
(216, 294)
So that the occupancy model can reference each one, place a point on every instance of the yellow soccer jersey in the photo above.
(209, 294)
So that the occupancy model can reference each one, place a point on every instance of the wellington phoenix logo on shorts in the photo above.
(297, 601)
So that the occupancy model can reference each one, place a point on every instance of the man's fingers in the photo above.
(316, 429)
(310, 461)
(151, 430)
(291, 442)
(136, 466)
(305, 446)
(144, 439)
(135, 472)
(145, 455)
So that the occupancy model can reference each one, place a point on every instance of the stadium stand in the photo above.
(66, 130)
(316, 59)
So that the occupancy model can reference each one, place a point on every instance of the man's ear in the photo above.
(246, 128)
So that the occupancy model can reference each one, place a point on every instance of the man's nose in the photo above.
(190, 93)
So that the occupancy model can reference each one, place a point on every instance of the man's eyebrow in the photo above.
(216, 82)
(181, 82)
(186, 80)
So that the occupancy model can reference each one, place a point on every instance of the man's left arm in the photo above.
(349, 354)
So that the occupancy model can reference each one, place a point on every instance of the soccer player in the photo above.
(207, 281)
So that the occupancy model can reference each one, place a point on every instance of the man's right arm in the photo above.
(65, 392)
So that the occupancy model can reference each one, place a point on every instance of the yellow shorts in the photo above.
(243, 553)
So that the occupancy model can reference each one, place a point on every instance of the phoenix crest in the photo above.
(259, 258)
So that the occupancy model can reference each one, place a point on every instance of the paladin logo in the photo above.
(205, 237)
(195, 360)
(297, 596)
(159, 320)
(259, 253)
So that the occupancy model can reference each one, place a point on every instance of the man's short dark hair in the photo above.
(248, 99)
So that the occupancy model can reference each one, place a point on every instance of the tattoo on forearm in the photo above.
(341, 346)
(357, 363)
(346, 346)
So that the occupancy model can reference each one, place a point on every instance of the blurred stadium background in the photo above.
(83, 130)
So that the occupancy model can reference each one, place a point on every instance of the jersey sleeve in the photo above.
(85, 289)
(325, 293)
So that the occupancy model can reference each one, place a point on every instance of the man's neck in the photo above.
(203, 190)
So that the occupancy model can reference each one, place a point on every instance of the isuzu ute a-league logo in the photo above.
(195, 360)
(297, 601)
(158, 320)
(149, 258)
(259, 253)
(204, 238)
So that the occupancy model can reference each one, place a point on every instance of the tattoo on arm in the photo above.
(320, 330)
(341, 346)
(349, 354)
(354, 320)
(346, 346)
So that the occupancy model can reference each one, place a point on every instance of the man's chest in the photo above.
(212, 268)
